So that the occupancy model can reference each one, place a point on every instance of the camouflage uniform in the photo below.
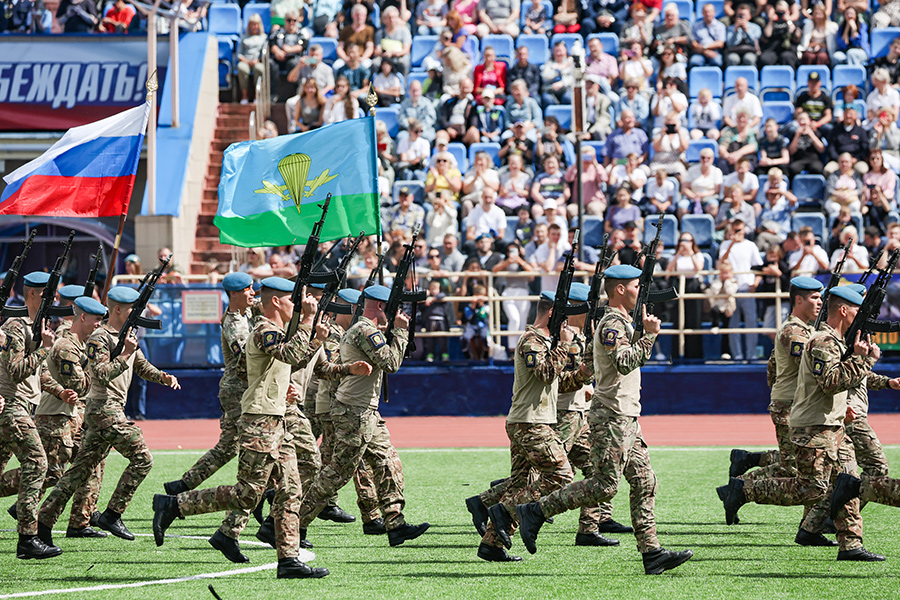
(785, 364)
(235, 331)
(23, 373)
(534, 444)
(266, 449)
(617, 443)
(817, 431)
(106, 427)
(359, 431)
(366, 498)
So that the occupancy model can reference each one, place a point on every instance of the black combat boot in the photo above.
(406, 532)
(479, 514)
(659, 560)
(375, 527)
(336, 514)
(31, 546)
(165, 511)
(294, 568)
(493, 554)
(229, 547)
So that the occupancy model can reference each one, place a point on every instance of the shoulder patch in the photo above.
(235, 348)
(92, 350)
(610, 336)
(327, 354)
(66, 367)
(5, 345)
(530, 359)
(377, 340)
(270, 338)
(818, 366)
(796, 348)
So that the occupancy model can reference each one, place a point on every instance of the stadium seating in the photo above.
(701, 227)
(809, 188)
(263, 10)
(570, 40)
(776, 82)
(685, 9)
(592, 230)
(419, 76)
(880, 40)
(492, 148)
(814, 220)
(610, 42)
(750, 73)
(416, 188)
(329, 48)
(705, 77)
(389, 116)
(226, 63)
(538, 48)
(510, 234)
(691, 123)
(548, 7)
(803, 72)
(224, 20)
(459, 152)
(669, 235)
(692, 154)
(718, 4)
(844, 75)
(421, 47)
(503, 46)
(562, 113)
(781, 111)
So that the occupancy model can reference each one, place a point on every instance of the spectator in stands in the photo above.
(858, 259)
(738, 142)
(476, 326)
(484, 253)
(843, 219)
(818, 43)
(669, 145)
(388, 85)
(461, 35)
(885, 135)
(626, 248)
(879, 195)
(817, 104)
(638, 28)
(324, 14)
(671, 68)
(688, 261)
(431, 17)
(309, 110)
(442, 220)
(526, 71)
(732, 210)
(774, 267)
(516, 311)
(660, 195)
(852, 40)
(518, 144)
(49, 22)
(780, 205)
(625, 140)
(701, 187)
(255, 265)
(437, 316)
(634, 102)
(773, 147)
(742, 99)
(547, 256)
(480, 177)
(442, 175)
(286, 47)
(668, 100)
(603, 66)
(567, 17)
(415, 107)
(848, 138)
(780, 40)
(708, 39)
(521, 107)
(623, 212)
(598, 110)
(705, 114)
(549, 185)
(722, 302)
(456, 69)
(844, 187)
(313, 66)
(672, 31)
(891, 61)
(552, 141)
(806, 148)
(552, 213)
(872, 239)
(457, 115)
(632, 172)
(491, 73)
(413, 152)
(81, 16)
(515, 184)
(250, 66)
(636, 67)
(498, 16)
(387, 158)
(557, 76)
(537, 19)
(354, 72)
(280, 268)
(744, 177)
(393, 41)
(342, 106)
(116, 20)
(892, 243)
(491, 119)
(883, 97)
(743, 256)
(452, 260)
(405, 215)
(810, 258)
(593, 180)
(742, 40)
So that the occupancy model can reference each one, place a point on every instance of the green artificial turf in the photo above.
(756, 559)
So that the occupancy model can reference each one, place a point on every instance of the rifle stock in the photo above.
(92, 276)
(148, 284)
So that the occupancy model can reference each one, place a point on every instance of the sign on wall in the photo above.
(201, 307)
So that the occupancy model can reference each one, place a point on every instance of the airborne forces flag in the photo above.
(269, 188)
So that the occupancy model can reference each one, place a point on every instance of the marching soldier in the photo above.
(265, 444)
(617, 443)
(105, 422)
(359, 431)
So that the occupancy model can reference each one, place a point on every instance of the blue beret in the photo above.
(70, 292)
(622, 272)
(279, 284)
(37, 279)
(858, 288)
(257, 286)
(377, 292)
(349, 295)
(133, 258)
(90, 306)
(845, 293)
(807, 283)
(578, 292)
(123, 294)
(235, 282)
(318, 286)
(551, 296)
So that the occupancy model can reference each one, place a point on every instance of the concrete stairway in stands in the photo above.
(231, 126)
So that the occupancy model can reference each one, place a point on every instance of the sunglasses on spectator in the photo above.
(685, 240)
(433, 256)
(441, 160)
(421, 246)
(290, 20)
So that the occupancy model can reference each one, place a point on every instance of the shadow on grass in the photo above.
(470, 575)
(814, 575)
(405, 560)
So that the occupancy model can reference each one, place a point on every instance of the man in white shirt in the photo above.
(742, 100)
(548, 255)
(810, 258)
(743, 255)
(487, 217)
(743, 177)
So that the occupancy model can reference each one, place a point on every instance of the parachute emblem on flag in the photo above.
(294, 169)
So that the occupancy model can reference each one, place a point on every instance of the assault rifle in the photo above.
(326, 302)
(833, 282)
(145, 291)
(399, 295)
(561, 309)
(12, 274)
(370, 280)
(305, 275)
(866, 321)
(873, 264)
(46, 309)
(646, 297)
(92, 276)
(606, 257)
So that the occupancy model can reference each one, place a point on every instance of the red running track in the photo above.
(489, 432)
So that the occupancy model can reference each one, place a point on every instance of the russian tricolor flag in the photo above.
(89, 172)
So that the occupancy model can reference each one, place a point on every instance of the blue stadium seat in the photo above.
(568, 38)
(226, 62)
(844, 75)
(224, 20)
(329, 48)
(692, 154)
(419, 76)
(592, 230)
(459, 152)
(685, 9)
(389, 116)
(803, 72)
(421, 46)
(778, 81)
(538, 49)
(809, 188)
(718, 4)
(261, 9)
(892, 217)
(810, 219)
(492, 148)
(701, 227)
(502, 45)
(562, 112)
(599, 148)
(548, 7)
(705, 77)
(880, 40)
(417, 188)
(750, 73)
(781, 111)
(510, 234)
(691, 123)
(669, 235)
(610, 42)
